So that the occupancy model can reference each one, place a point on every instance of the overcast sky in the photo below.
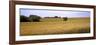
(52, 13)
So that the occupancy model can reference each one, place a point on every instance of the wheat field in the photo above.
(55, 26)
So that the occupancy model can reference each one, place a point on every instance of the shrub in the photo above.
(65, 18)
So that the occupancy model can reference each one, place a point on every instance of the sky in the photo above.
(51, 13)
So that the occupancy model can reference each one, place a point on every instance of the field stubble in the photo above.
(55, 26)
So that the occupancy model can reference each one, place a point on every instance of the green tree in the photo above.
(24, 18)
(35, 18)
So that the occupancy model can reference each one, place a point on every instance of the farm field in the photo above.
(55, 26)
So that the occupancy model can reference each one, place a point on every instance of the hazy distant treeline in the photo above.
(36, 18)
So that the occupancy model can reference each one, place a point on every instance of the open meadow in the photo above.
(55, 26)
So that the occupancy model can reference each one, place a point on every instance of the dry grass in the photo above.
(56, 26)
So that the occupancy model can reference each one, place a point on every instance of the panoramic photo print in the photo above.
(50, 21)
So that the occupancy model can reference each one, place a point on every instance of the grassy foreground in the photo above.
(55, 26)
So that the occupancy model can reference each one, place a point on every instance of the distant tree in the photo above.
(56, 17)
(46, 17)
(65, 18)
(24, 18)
(34, 18)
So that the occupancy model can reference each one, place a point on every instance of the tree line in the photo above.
(36, 18)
